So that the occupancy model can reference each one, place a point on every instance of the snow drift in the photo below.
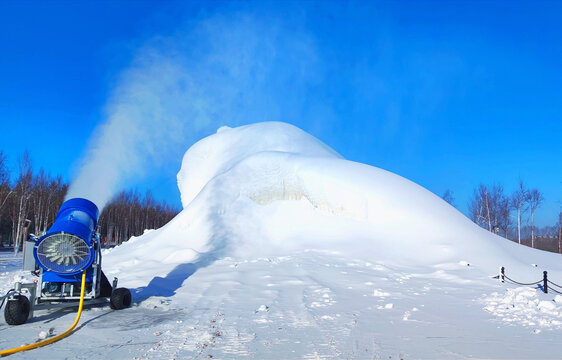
(270, 188)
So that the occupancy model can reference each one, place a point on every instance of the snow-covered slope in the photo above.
(272, 189)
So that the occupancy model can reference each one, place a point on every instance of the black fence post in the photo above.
(502, 274)
(545, 282)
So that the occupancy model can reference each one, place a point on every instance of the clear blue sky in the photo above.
(447, 94)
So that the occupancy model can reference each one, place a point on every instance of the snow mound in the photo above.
(271, 188)
(221, 152)
(524, 306)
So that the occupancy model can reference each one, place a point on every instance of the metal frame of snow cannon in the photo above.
(70, 247)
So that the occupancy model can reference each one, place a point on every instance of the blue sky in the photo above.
(447, 94)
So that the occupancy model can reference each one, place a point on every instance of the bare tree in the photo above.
(475, 207)
(56, 193)
(535, 200)
(519, 201)
(5, 188)
(497, 202)
(39, 199)
(503, 214)
(479, 207)
(489, 208)
(48, 195)
(560, 230)
(23, 192)
(448, 197)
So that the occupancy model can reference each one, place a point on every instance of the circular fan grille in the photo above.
(64, 253)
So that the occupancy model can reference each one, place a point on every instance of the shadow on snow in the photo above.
(168, 285)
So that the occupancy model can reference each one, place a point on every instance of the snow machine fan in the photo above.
(70, 247)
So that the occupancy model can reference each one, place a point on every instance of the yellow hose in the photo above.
(54, 338)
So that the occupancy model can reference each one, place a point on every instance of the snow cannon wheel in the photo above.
(120, 299)
(17, 310)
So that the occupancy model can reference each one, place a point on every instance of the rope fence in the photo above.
(543, 284)
(550, 282)
(553, 289)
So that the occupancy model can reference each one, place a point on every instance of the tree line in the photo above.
(502, 213)
(29, 202)
(130, 213)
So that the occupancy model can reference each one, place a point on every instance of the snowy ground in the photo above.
(285, 250)
(311, 305)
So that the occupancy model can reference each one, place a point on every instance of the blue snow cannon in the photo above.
(69, 248)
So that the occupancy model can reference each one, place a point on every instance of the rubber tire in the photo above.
(16, 311)
(120, 299)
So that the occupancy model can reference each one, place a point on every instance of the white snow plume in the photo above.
(270, 189)
(224, 69)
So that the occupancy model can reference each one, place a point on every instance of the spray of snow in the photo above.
(216, 71)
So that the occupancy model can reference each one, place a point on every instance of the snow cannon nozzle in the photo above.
(68, 246)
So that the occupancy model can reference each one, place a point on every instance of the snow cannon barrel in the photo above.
(67, 248)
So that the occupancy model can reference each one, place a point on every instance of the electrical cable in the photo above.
(54, 338)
